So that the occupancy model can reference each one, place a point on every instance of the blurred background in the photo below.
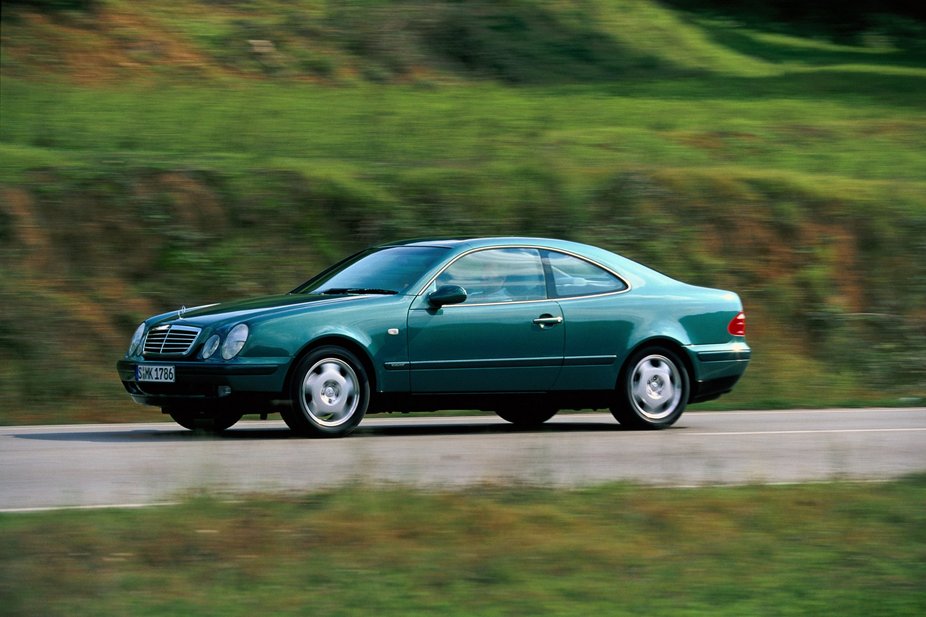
(159, 153)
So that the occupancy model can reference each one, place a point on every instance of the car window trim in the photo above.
(551, 283)
(491, 248)
(548, 277)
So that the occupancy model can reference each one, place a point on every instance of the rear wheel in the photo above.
(526, 417)
(330, 393)
(653, 390)
(211, 422)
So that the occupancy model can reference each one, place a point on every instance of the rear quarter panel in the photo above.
(653, 311)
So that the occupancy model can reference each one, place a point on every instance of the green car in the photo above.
(523, 327)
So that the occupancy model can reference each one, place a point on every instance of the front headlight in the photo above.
(212, 344)
(136, 339)
(234, 341)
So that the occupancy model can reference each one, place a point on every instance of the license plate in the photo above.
(160, 373)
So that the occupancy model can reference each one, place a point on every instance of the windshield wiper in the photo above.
(336, 291)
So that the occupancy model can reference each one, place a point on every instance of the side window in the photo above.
(576, 277)
(497, 275)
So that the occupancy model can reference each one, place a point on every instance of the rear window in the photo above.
(576, 277)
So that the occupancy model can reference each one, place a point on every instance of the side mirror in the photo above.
(447, 294)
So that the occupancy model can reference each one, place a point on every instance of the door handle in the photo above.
(546, 320)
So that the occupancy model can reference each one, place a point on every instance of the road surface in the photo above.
(139, 464)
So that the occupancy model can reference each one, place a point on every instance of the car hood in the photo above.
(241, 310)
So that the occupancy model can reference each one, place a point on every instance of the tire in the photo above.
(330, 393)
(653, 390)
(211, 422)
(526, 417)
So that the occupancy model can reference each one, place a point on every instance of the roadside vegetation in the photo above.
(154, 154)
(836, 549)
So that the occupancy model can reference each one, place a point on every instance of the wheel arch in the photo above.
(344, 342)
(666, 343)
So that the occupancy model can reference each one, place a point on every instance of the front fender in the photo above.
(375, 329)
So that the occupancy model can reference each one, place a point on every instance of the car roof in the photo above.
(489, 241)
(627, 268)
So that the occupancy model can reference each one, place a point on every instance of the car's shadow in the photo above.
(464, 428)
(274, 432)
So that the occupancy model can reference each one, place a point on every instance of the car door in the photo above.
(600, 319)
(505, 337)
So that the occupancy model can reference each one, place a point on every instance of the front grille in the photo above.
(170, 340)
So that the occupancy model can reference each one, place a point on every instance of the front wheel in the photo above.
(330, 393)
(652, 391)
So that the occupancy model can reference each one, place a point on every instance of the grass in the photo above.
(144, 150)
(842, 548)
(472, 127)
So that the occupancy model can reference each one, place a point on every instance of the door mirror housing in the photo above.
(447, 294)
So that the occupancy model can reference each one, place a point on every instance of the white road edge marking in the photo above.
(102, 506)
(810, 432)
(786, 412)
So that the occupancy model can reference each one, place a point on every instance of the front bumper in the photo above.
(199, 385)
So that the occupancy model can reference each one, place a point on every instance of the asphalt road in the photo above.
(139, 464)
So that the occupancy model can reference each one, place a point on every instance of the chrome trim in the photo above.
(589, 360)
(485, 363)
(594, 263)
(499, 303)
(724, 356)
(170, 340)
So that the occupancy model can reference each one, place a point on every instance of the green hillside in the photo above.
(154, 154)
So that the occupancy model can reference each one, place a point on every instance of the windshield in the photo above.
(390, 270)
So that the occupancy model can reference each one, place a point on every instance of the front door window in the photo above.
(498, 275)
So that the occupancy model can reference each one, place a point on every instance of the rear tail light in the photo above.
(737, 325)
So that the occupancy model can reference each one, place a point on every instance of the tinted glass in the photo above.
(576, 277)
(497, 275)
(386, 270)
